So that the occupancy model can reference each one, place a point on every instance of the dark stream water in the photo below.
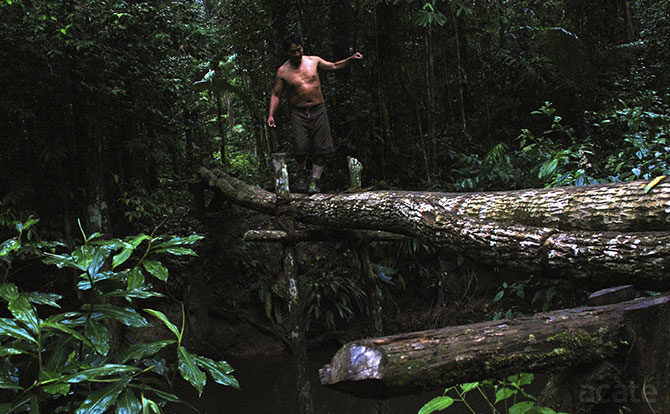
(268, 387)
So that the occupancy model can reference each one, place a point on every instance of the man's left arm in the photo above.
(340, 64)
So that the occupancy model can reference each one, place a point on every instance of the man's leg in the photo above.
(322, 145)
(300, 149)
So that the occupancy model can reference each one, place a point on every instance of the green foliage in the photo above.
(531, 295)
(506, 396)
(74, 353)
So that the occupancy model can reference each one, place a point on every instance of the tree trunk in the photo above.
(429, 360)
(550, 238)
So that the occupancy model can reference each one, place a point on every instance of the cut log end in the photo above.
(354, 362)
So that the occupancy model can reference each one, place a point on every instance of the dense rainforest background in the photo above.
(103, 132)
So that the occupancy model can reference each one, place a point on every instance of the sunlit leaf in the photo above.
(135, 278)
(190, 371)
(177, 251)
(7, 351)
(100, 372)
(99, 336)
(61, 327)
(219, 371)
(436, 404)
(99, 401)
(22, 310)
(10, 328)
(137, 240)
(127, 316)
(123, 256)
(521, 407)
(40, 298)
(156, 269)
(142, 350)
(9, 246)
(128, 403)
(504, 393)
(468, 386)
(160, 315)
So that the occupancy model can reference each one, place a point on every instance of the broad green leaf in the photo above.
(40, 298)
(135, 278)
(6, 351)
(137, 240)
(135, 293)
(29, 223)
(99, 401)
(468, 386)
(127, 316)
(156, 269)
(165, 395)
(219, 371)
(548, 168)
(61, 327)
(98, 261)
(149, 406)
(85, 282)
(177, 251)
(99, 372)
(9, 246)
(123, 256)
(47, 377)
(99, 336)
(57, 388)
(526, 378)
(142, 350)
(521, 407)
(24, 312)
(504, 393)
(160, 315)
(436, 404)
(10, 328)
(127, 403)
(9, 291)
(179, 241)
(189, 370)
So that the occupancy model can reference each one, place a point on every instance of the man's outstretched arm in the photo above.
(274, 100)
(324, 64)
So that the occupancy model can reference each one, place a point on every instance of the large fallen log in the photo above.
(430, 360)
(444, 220)
(620, 207)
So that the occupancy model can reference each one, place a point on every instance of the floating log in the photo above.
(429, 360)
(452, 223)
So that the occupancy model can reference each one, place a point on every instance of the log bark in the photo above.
(620, 207)
(422, 361)
(320, 235)
(556, 232)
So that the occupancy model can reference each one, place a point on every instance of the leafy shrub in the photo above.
(66, 361)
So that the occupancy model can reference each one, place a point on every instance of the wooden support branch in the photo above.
(320, 235)
(429, 360)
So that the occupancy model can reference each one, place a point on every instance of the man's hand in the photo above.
(271, 121)
(357, 56)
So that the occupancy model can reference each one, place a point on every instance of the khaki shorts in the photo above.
(311, 130)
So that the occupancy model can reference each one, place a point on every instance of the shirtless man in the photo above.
(298, 76)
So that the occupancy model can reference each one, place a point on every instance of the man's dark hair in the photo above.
(291, 39)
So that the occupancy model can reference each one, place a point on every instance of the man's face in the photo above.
(295, 53)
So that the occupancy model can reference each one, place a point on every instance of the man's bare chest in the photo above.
(305, 75)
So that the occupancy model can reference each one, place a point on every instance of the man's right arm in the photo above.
(274, 100)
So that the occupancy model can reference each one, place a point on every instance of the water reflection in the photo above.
(268, 387)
